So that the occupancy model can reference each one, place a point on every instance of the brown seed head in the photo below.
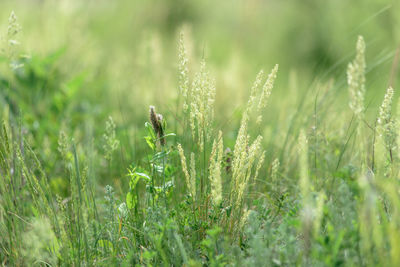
(156, 122)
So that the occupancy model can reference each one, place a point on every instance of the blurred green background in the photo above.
(86, 60)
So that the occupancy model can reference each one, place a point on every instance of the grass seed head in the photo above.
(387, 129)
(157, 124)
(111, 143)
(202, 105)
(266, 92)
(189, 179)
(183, 72)
(216, 158)
(13, 26)
(356, 79)
(275, 169)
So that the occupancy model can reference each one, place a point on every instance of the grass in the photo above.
(108, 162)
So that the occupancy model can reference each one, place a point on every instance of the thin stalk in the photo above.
(78, 181)
(164, 189)
(315, 133)
(205, 173)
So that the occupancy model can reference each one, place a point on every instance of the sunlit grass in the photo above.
(132, 134)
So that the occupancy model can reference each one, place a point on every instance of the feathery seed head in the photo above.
(266, 92)
(385, 110)
(10, 41)
(189, 181)
(202, 105)
(183, 72)
(356, 79)
(275, 169)
(244, 157)
(255, 88)
(387, 129)
(13, 26)
(259, 164)
(111, 142)
(215, 169)
(262, 96)
(267, 88)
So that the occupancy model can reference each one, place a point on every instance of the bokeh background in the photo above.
(86, 60)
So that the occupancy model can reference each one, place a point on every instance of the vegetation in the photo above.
(153, 151)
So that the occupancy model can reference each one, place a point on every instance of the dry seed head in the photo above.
(184, 166)
(245, 174)
(252, 154)
(13, 26)
(263, 95)
(215, 170)
(213, 151)
(110, 139)
(254, 89)
(189, 183)
(202, 105)
(356, 79)
(183, 72)
(266, 91)
(386, 125)
(156, 122)
(240, 147)
(385, 110)
(241, 142)
(245, 154)
(192, 120)
(242, 168)
(259, 164)
(275, 169)
(10, 41)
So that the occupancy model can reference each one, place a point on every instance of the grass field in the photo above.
(199, 133)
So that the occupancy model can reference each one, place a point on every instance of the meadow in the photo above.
(204, 133)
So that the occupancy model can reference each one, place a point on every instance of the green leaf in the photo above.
(133, 182)
(150, 142)
(130, 200)
(170, 134)
(150, 130)
(103, 243)
(144, 176)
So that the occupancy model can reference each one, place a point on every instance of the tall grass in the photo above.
(322, 191)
